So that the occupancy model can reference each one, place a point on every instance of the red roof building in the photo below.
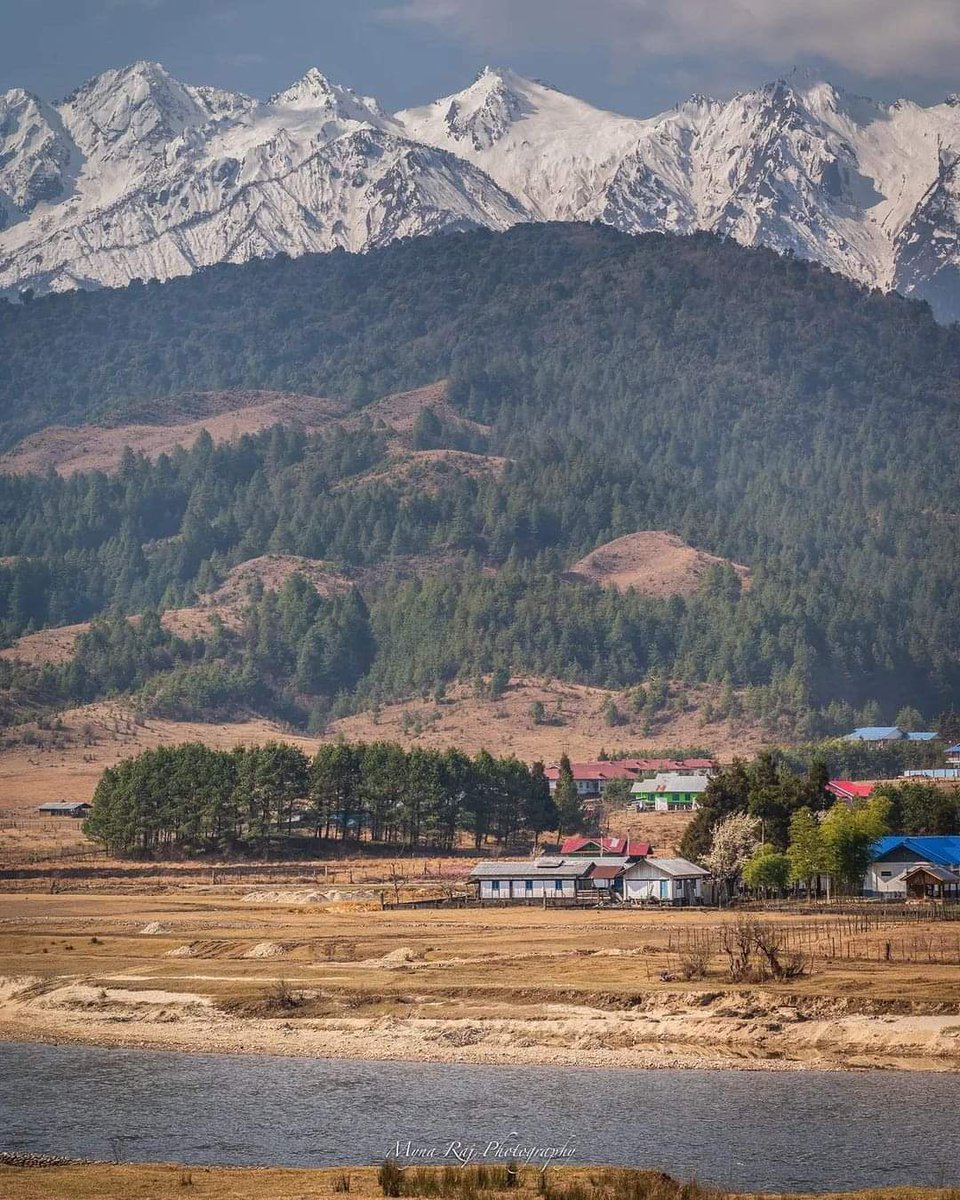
(596, 847)
(591, 777)
(850, 790)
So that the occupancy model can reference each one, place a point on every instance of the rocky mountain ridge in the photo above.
(137, 175)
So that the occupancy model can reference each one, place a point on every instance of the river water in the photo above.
(749, 1130)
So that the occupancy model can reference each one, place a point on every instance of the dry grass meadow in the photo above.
(166, 1182)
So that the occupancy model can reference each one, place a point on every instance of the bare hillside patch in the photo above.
(273, 570)
(653, 562)
(100, 448)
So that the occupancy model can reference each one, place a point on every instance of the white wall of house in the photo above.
(646, 881)
(517, 889)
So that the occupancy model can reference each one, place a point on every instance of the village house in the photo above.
(599, 847)
(665, 880)
(888, 733)
(542, 878)
(65, 808)
(673, 881)
(670, 792)
(590, 778)
(895, 858)
(851, 790)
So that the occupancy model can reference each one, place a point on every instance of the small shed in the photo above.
(667, 880)
(928, 882)
(65, 808)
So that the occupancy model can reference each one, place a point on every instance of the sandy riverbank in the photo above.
(745, 1031)
(270, 973)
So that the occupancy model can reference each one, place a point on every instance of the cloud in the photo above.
(871, 37)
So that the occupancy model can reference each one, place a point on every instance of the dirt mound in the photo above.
(166, 425)
(181, 952)
(654, 562)
(273, 570)
(154, 927)
(265, 950)
(401, 957)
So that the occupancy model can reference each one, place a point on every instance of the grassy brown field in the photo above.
(297, 969)
(164, 1181)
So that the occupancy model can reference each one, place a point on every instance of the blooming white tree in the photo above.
(731, 848)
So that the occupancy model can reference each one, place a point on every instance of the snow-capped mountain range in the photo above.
(136, 175)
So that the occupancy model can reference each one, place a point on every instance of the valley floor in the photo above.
(268, 973)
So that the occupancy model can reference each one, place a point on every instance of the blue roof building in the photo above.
(943, 851)
(888, 733)
(897, 861)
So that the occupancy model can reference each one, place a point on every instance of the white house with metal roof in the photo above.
(667, 880)
(543, 878)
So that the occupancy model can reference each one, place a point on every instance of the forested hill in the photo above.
(762, 408)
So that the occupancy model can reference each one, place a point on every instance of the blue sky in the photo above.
(637, 56)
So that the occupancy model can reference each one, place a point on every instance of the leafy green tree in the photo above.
(767, 870)
(848, 834)
(806, 851)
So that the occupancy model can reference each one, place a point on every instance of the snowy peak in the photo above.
(314, 93)
(35, 154)
(311, 90)
(138, 175)
(137, 107)
(479, 116)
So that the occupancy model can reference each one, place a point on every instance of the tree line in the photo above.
(192, 799)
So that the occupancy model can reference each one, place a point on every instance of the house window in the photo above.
(495, 885)
(558, 885)
(528, 885)
(885, 874)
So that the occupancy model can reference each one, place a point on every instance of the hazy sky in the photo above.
(637, 56)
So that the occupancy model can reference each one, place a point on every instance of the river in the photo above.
(745, 1130)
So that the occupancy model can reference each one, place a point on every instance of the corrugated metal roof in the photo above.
(605, 846)
(939, 873)
(875, 733)
(63, 805)
(677, 867)
(922, 737)
(670, 783)
(605, 871)
(941, 851)
(531, 869)
(850, 789)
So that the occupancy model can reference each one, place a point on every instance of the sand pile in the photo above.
(181, 952)
(154, 927)
(265, 950)
(401, 957)
(303, 896)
